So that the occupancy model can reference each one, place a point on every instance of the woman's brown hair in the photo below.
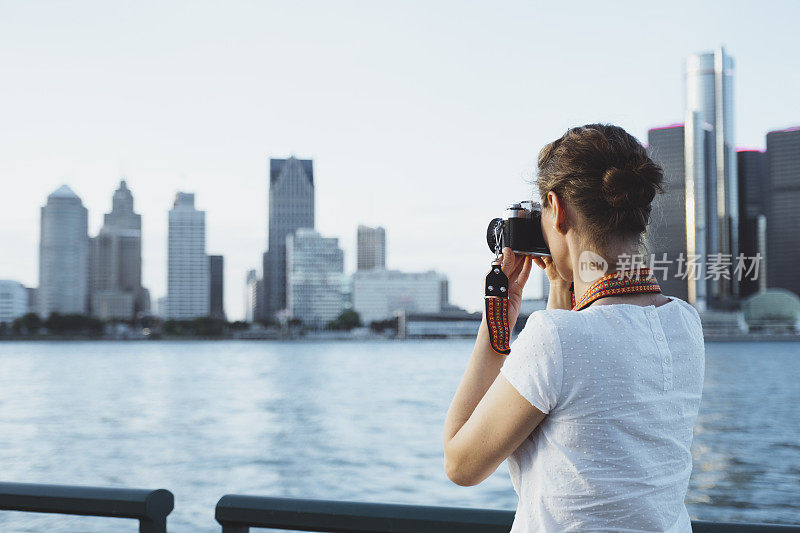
(606, 175)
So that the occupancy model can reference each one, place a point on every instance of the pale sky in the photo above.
(424, 117)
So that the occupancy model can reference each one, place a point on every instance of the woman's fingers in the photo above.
(539, 262)
(519, 263)
(525, 271)
(509, 260)
(512, 265)
(516, 268)
(522, 261)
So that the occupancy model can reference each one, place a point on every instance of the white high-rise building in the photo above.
(63, 255)
(712, 200)
(314, 277)
(251, 296)
(187, 267)
(370, 248)
(13, 300)
(379, 294)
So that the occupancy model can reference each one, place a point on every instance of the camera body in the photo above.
(520, 229)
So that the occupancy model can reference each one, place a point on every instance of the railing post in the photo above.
(153, 526)
(149, 507)
(235, 529)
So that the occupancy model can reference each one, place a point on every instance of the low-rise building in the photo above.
(438, 325)
(13, 300)
(379, 294)
(314, 278)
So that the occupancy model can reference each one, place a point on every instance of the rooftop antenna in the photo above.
(122, 173)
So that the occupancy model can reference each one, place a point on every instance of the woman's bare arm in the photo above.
(482, 370)
(487, 420)
(472, 446)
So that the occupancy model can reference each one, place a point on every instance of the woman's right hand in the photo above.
(560, 296)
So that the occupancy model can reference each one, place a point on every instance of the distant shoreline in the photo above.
(751, 337)
(740, 337)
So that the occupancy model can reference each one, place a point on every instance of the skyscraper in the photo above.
(753, 200)
(116, 262)
(63, 254)
(291, 207)
(371, 248)
(251, 296)
(666, 233)
(314, 277)
(187, 267)
(783, 213)
(215, 285)
(710, 132)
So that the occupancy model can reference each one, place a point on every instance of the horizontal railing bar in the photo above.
(702, 526)
(147, 506)
(237, 513)
(356, 517)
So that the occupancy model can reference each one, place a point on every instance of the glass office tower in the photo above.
(291, 207)
(710, 137)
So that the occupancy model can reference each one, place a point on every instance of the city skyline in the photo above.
(441, 113)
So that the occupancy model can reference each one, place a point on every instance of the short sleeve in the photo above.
(535, 365)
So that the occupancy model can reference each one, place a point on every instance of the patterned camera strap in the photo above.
(640, 280)
(618, 282)
(496, 300)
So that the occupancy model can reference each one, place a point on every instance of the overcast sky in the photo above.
(424, 117)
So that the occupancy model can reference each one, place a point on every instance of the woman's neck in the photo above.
(589, 265)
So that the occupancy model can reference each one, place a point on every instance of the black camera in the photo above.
(520, 229)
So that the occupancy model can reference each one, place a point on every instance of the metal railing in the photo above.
(149, 507)
(237, 514)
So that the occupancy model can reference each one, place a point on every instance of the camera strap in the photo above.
(496, 298)
(639, 280)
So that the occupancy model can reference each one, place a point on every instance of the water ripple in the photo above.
(355, 420)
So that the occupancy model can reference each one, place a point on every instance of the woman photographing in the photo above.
(595, 405)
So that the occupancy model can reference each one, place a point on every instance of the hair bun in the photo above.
(630, 187)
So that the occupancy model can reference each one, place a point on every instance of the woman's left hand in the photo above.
(517, 269)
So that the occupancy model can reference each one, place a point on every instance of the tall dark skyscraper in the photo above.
(666, 233)
(291, 207)
(753, 200)
(783, 211)
(216, 305)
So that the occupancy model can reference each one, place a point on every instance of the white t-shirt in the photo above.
(621, 387)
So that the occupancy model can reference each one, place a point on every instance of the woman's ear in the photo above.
(559, 214)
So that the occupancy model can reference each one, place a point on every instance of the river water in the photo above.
(334, 420)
